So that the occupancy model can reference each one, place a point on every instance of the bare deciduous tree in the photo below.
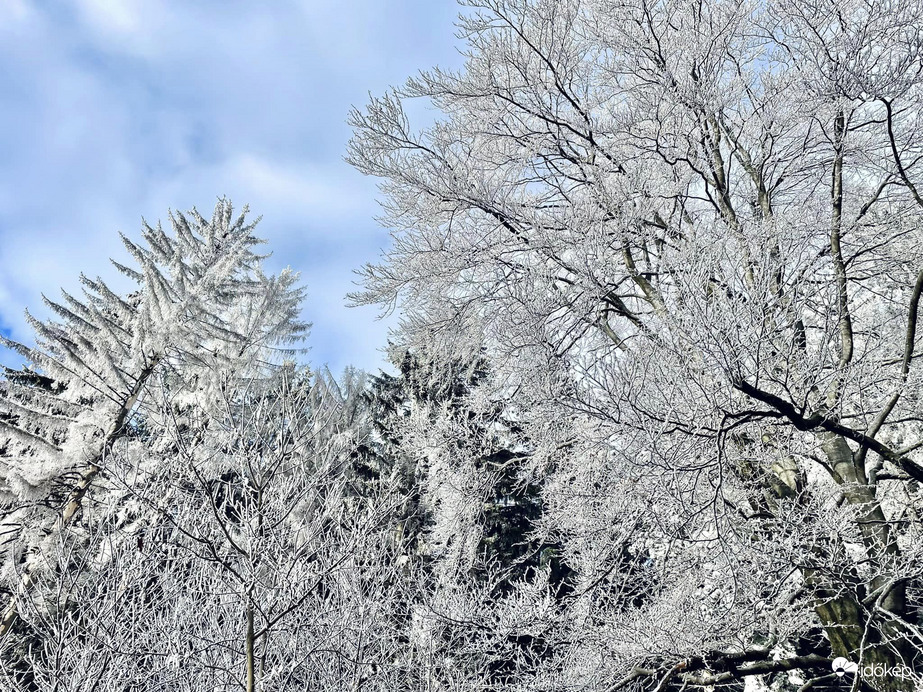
(688, 234)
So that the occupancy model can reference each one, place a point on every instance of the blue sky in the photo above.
(118, 109)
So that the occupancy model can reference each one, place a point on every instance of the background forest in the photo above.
(654, 419)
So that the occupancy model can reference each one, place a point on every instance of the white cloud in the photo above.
(302, 187)
(136, 27)
(14, 11)
(119, 17)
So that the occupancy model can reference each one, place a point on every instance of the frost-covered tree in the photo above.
(233, 553)
(199, 309)
(688, 234)
(209, 526)
(473, 521)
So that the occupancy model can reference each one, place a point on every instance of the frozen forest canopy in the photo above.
(656, 421)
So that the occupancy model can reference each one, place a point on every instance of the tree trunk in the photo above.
(855, 630)
(251, 658)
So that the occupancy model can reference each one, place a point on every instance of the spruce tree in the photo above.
(200, 303)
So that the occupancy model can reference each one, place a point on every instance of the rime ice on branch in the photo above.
(688, 235)
(200, 300)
